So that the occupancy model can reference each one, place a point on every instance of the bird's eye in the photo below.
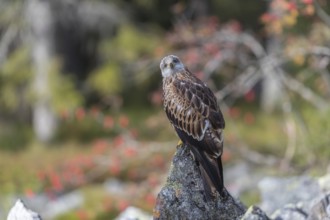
(175, 61)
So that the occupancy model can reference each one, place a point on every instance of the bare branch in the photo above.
(320, 50)
(242, 38)
(321, 13)
(303, 91)
(5, 42)
(241, 84)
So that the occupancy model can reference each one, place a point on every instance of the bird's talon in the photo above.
(180, 143)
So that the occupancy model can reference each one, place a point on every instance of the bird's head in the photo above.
(170, 65)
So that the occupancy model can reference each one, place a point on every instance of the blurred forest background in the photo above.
(82, 130)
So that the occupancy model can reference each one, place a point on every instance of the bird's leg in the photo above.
(194, 159)
(179, 144)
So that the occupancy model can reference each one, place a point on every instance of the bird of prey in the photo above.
(192, 109)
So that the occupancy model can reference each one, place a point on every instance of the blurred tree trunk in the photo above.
(40, 21)
(199, 8)
(272, 91)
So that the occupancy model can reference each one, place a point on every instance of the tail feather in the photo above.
(210, 165)
(211, 171)
(207, 184)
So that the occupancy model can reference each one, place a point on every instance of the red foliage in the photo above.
(107, 204)
(192, 57)
(235, 26)
(250, 96)
(55, 181)
(122, 205)
(213, 23)
(153, 180)
(200, 75)
(234, 112)
(130, 151)
(95, 111)
(67, 176)
(87, 162)
(132, 174)
(268, 17)
(80, 114)
(211, 48)
(29, 193)
(41, 175)
(150, 199)
(249, 118)
(226, 156)
(108, 122)
(100, 146)
(157, 160)
(123, 121)
(119, 140)
(134, 133)
(159, 51)
(64, 114)
(291, 6)
(307, 2)
(156, 98)
(82, 215)
(115, 167)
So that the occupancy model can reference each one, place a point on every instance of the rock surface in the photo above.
(20, 212)
(255, 213)
(183, 195)
(277, 192)
(298, 198)
(133, 213)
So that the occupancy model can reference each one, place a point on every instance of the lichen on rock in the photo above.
(183, 195)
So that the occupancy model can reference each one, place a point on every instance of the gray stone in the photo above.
(240, 178)
(277, 192)
(320, 208)
(183, 195)
(20, 212)
(290, 212)
(133, 213)
(62, 204)
(255, 213)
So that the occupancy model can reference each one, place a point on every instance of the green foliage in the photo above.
(69, 216)
(107, 215)
(131, 43)
(247, 14)
(11, 13)
(250, 197)
(318, 130)
(16, 84)
(121, 72)
(14, 137)
(106, 80)
(64, 94)
(265, 134)
(93, 207)
(84, 130)
(320, 33)
(15, 75)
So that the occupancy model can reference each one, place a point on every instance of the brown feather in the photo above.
(191, 106)
(195, 98)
